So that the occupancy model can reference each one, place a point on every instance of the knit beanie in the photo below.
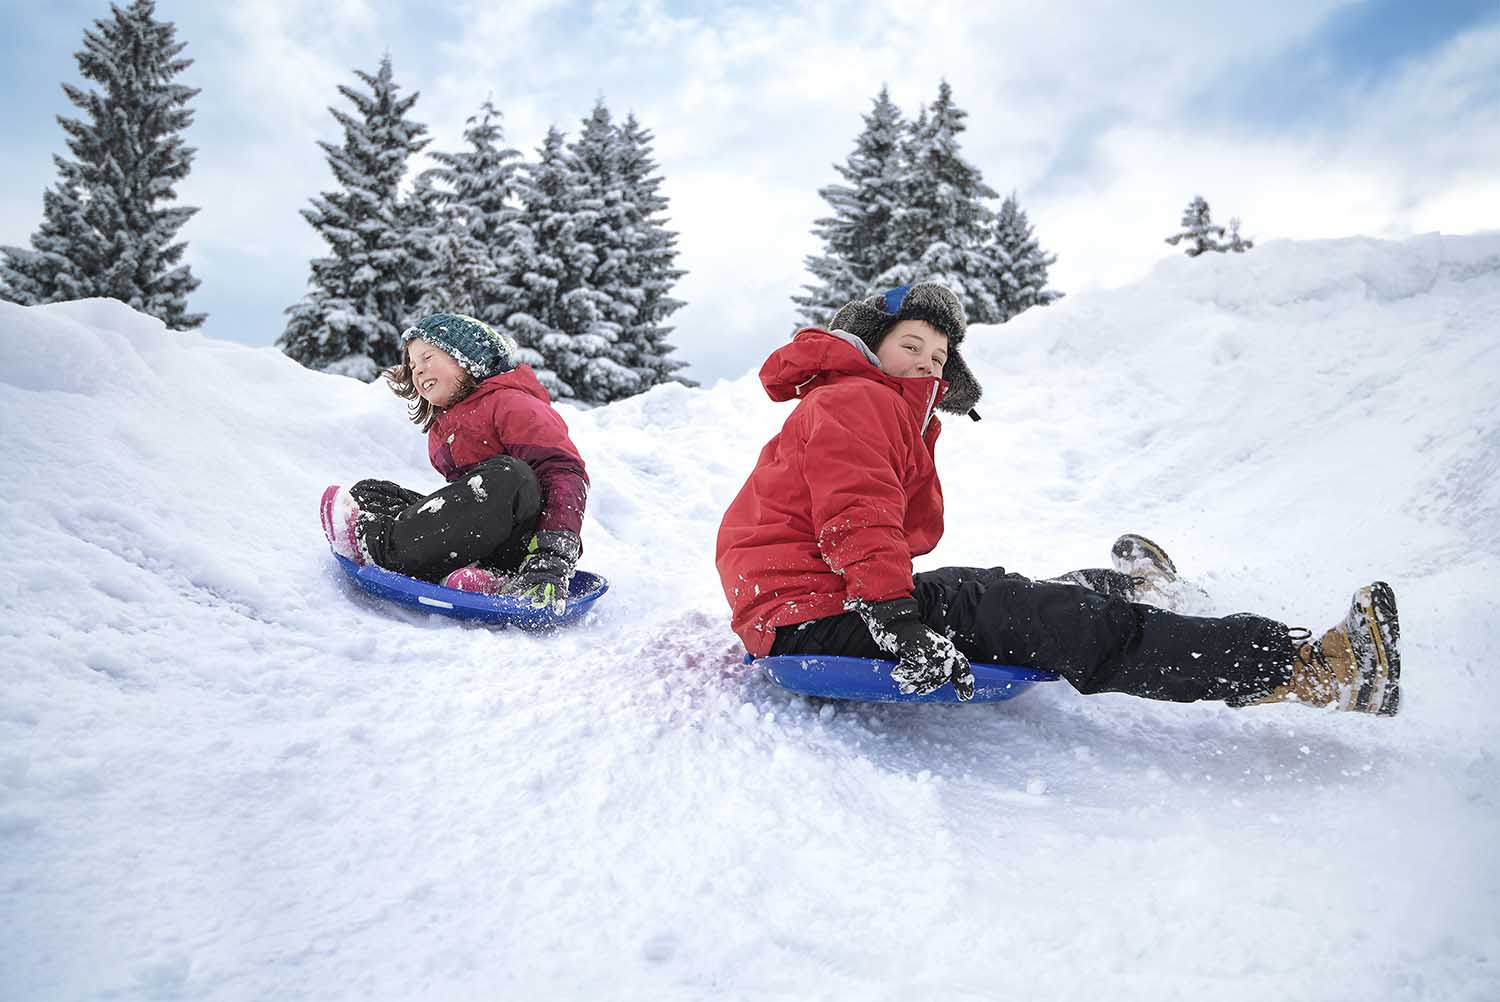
(871, 320)
(481, 350)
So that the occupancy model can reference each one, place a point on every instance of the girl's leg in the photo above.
(484, 516)
(1104, 643)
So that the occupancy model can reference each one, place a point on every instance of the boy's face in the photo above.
(434, 372)
(913, 348)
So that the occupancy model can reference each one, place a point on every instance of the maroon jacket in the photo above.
(839, 501)
(512, 415)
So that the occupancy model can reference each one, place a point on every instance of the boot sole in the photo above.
(349, 543)
(325, 512)
(1157, 555)
(1381, 692)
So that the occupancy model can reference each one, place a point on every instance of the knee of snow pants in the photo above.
(485, 516)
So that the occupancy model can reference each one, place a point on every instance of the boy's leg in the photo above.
(845, 634)
(1110, 583)
(482, 516)
(1103, 643)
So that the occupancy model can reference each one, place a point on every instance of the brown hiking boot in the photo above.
(1354, 666)
(1153, 576)
(1136, 556)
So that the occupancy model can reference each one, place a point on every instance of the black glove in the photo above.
(383, 497)
(925, 660)
(544, 574)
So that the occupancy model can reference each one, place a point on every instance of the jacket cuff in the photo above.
(873, 562)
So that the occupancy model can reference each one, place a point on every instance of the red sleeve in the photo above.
(533, 432)
(854, 457)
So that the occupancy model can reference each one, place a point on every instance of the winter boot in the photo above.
(1354, 666)
(476, 579)
(340, 514)
(1148, 567)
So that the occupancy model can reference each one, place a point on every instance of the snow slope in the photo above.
(225, 774)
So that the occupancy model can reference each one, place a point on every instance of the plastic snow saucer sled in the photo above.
(867, 680)
(507, 610)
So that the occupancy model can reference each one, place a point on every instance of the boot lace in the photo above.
(1305, 650)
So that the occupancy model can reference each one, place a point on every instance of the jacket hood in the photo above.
(816, 356)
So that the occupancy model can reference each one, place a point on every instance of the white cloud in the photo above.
(1412, 156)
(1079, 107)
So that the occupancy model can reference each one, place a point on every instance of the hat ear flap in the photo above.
(963, 389)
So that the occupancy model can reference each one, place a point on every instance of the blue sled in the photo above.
(867, 680)
(507, 610)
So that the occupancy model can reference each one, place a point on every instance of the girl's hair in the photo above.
(420, 411)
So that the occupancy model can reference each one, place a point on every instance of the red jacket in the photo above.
(512, 415)
(840, 500)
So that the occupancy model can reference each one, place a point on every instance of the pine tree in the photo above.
(1198, 229)
(52, 270)
(648, 270)
(857, 237)
(451, 271)
(105, 230)
(1019, 262)
(597, 304)
(1237, 243)
(942, 226)
(594, 263)
(546, 264)
(479, 185)
(360, 298)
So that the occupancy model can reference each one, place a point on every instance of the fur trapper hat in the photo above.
(481, 350)
(871, 319)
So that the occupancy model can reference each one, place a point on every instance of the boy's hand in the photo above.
(925, 660)
(544, 575)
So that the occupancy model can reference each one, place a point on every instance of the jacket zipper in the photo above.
(931, 400)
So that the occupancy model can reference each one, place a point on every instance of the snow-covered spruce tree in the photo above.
(105, 229)
(857, 237)
(61, 249)
(1237, 243)
(1019, 262)
(942, 227)
(1198, 229)
(547, 264)
(478, 185)
(351, 319)
(649, 270)
(450, 269)
(597, 305)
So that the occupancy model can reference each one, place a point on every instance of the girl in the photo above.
(509, 519)
(815, 552)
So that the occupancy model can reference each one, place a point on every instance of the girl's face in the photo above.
(913, 348)
(434, 372)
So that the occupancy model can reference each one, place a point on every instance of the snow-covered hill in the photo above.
(224, 774)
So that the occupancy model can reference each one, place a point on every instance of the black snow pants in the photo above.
(1093, 636)
(484, 517)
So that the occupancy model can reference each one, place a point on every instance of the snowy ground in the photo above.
(225, 774)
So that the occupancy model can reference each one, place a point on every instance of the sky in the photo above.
(1304, 118)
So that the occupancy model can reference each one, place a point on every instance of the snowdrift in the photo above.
(226, 774)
